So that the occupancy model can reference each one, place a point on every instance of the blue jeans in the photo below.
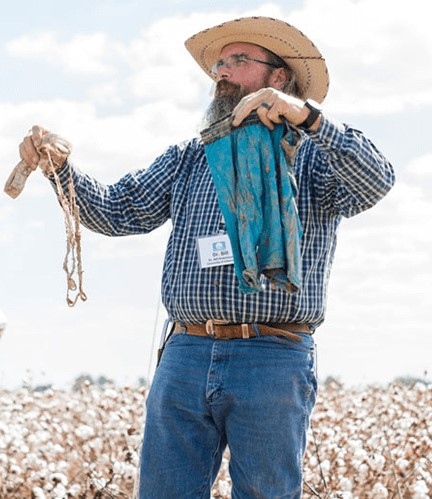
(255, 395)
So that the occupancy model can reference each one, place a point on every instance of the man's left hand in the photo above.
(272, 106)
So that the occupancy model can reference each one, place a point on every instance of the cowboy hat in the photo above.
(286, 41)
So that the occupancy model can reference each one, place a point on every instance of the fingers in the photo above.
(246, 106)
(28, 148)
(267, 115)
(37, 134)
(55, 151)
(266, 112)
(271, 105)
(263, 103)
(28, 152)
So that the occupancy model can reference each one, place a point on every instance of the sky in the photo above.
(114, 78)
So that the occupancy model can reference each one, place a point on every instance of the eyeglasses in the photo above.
(236, 60)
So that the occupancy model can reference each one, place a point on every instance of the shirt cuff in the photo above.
(330, 134)
(62, 172)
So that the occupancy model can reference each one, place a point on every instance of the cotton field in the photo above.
(375, 443)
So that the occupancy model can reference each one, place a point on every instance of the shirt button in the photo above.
(216, 282)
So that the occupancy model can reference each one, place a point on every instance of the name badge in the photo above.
(215, 251)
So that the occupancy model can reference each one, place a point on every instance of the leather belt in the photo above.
(220, 330)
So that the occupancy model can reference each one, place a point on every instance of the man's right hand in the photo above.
(40, 148)
(40, 144)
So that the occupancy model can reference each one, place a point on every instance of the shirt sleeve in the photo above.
(136, 204)
(350, 174)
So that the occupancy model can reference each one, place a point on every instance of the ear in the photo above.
(278, 78)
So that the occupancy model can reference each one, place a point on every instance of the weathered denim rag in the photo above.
(256, 194)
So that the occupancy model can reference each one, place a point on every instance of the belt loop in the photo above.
(210, 328)
(256, 329)
(245, 331)
(179, 327)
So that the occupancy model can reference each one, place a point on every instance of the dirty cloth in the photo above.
(256, 194)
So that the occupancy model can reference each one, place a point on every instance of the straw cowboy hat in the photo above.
(279, 37)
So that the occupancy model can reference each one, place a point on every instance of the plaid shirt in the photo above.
(339, 173)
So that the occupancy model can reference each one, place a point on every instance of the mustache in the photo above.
(226, 96)
(224, 87)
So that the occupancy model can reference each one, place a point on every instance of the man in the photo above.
(238, 368)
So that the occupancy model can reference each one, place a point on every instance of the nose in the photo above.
(224, 72)
(222, 75)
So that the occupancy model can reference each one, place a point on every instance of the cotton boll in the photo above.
(420, 490)
(15, 469)
(74, 491)
(363, 470)
(38, 493)
(84, 431)
(224, 488)
(119, 468)
(379, 491)
(376, 461)
(58, 478)
(59, 492)
(130, 473)
(325, 466)
(402, 464)
(345, 484)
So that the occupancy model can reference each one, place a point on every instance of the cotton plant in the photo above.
(372, 442)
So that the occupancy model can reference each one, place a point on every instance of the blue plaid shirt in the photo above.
(339, 173)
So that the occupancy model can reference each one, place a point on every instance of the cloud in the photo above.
(82, 54)
(123, 351)
(376, 53)
(149, 246)
(6, 236)
(111, 145)
(106, 94)
(379, 294)
(421, 167)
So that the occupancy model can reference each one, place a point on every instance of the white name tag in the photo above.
(215, 251)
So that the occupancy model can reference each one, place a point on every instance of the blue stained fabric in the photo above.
(256, 195)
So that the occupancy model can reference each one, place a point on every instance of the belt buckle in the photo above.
(210, 326)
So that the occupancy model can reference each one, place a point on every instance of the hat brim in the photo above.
(286, 41)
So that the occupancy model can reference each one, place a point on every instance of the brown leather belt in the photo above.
(220, 330)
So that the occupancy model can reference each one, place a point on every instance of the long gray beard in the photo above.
(227, 96)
